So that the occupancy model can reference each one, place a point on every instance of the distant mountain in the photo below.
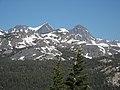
(83, 33)
(45, 42)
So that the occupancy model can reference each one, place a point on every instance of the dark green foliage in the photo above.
(58, 82)
(77, 80)
(19, 75)
(27, 75)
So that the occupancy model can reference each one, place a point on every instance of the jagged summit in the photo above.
(83, 33)
(21, 26)
(80, 27)
(18, 28)
(45, 28)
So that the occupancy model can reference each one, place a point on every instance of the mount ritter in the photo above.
(45, 43)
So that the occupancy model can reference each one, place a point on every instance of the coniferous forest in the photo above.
(28, 74)
(41, 75)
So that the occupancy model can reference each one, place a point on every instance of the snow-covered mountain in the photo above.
(45, 42)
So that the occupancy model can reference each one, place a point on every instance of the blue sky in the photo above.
(101, 17)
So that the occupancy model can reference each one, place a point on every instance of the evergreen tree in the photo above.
(58, 83)
(77, 80)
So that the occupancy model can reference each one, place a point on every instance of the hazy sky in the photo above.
(101, 17)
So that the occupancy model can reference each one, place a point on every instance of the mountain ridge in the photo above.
(25, 42)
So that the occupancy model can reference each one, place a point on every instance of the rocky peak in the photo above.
(19, 28)
(45, 28)
(80, 27)
(82, 32)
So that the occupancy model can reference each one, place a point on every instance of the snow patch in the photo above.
(63, 41)
(109, 53)
(87, 56)
(103, 44)
(82, 42)
(62, 59)
(17, 36)
(102, 49)
(78, 35)
(37, 48)
(20, 46)
(29, 40)
(9, 43)
(63, 30)
(99, 39)
(20, 30)
(26, 31)
(36, 35)
(50, 48)
(99, 44)
(105, 61)
(118, 44)
(93, 42)
(36, 28)
(33, 54)
(1, 33)
(72, 40)
(21, 58)
(51, 36)
(39, 57)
